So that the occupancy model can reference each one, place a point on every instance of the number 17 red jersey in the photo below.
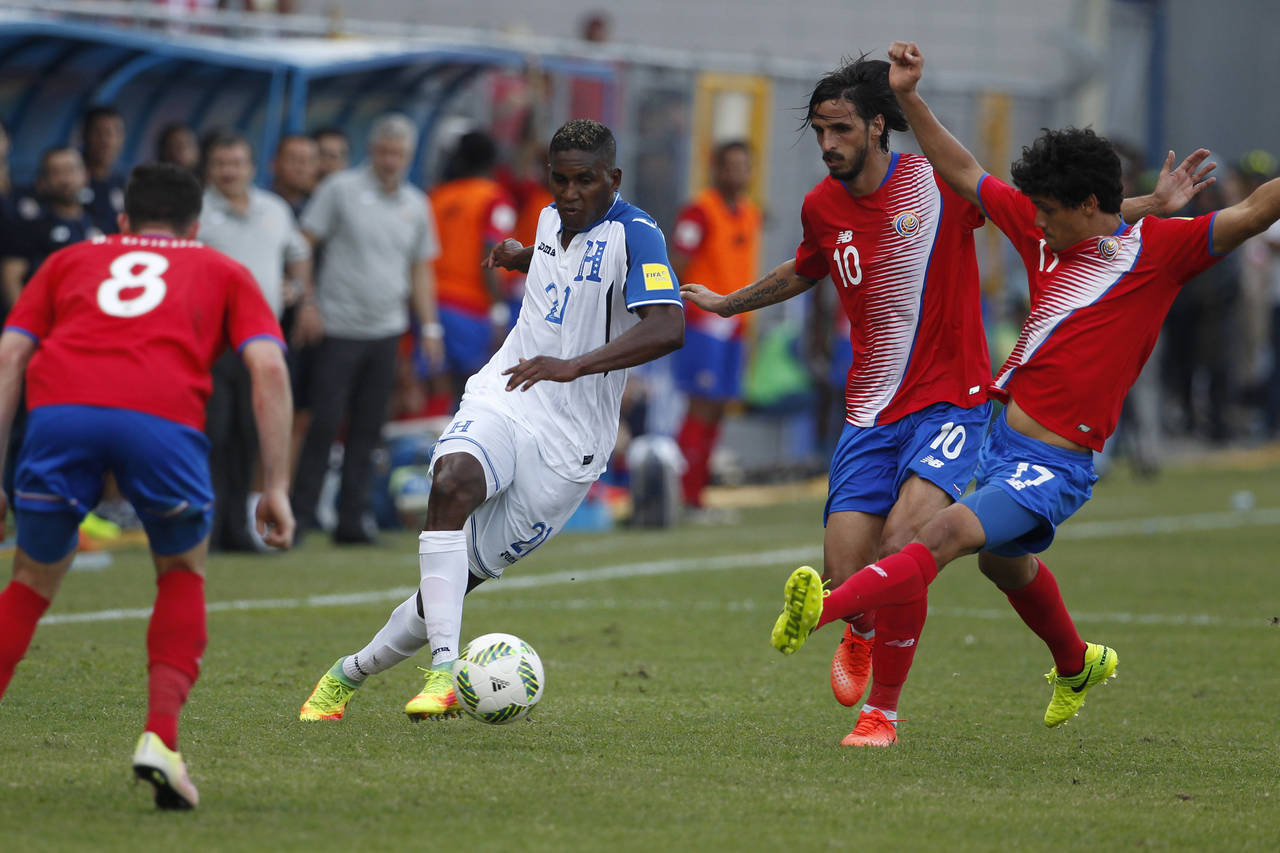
(135, 322)
(903, 262)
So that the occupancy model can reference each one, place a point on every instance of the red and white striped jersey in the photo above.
(902, 261)
(1096, 311)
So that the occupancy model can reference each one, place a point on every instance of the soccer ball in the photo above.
(498, 678)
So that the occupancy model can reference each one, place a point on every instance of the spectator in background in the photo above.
(256, 228)
(295, 170)
(6, 183)
(334, 150)
(62, 219)
(176, 144)
(102, 134)
(295, 173)
(474, 214)
(1205, 320)
(526, 182)
(716, 243)
(378, 238)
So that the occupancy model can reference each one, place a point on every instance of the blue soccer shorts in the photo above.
(161, 466)
(468, 341)
(939, 444)
(708, 366)
(1025, 489)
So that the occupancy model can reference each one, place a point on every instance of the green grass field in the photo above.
(668, 722)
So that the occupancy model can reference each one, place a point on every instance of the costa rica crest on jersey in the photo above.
(1108, 247)
(907, 224)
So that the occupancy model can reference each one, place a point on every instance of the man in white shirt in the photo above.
(537, 422)
(256, 228)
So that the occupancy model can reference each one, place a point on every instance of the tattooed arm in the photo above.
(777, 286)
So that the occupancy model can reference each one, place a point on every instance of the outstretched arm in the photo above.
(660, 331)
(777, 286)
(1237, 223)
(951, 160)
(1174, 188)
(510, 255)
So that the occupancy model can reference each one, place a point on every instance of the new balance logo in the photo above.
(932, 461)
(844, 237)
(498, 684)
(901, 644)
(881, 572)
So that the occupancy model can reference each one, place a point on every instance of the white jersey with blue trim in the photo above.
(576, 300)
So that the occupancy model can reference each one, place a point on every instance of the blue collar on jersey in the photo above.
(893, 164)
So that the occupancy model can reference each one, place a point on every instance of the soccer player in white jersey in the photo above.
(537, 423)
(1100, 290)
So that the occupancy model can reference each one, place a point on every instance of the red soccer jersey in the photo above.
(136, 322)
(1096, 311)
(903, 262)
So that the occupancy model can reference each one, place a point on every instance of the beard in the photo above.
(849, 171)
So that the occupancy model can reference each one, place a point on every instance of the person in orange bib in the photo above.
(716, 243)
(473, 213)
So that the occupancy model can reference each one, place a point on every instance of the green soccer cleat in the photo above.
(1069, 690)
(155, 763)
(802, 597)
(436, 701)
(328, 701)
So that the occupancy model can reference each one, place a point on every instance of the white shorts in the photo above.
(526, 502)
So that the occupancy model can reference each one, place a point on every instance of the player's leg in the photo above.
(26, 598)
(370, 398)
(176, 639)
(58, 473)
(851, 540)
(1033, 591)
(708, 369)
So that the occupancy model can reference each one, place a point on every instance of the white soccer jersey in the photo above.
(577, 300)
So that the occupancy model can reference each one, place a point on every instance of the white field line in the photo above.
(779, 557)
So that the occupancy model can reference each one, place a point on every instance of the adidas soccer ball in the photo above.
(498, 678)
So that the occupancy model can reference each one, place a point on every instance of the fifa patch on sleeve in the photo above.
(657, 277)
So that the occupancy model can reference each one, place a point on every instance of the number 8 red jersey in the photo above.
(135, 322)
(903, 262)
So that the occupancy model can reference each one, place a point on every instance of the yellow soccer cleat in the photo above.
(1069, 690)
(328, 701)
(802, 607)
(436, 701)
(155, 763)
(851, 668)
(873, 729)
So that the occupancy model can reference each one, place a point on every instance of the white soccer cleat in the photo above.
(155, 763)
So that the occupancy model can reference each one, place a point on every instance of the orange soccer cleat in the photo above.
(873, 729)
(851, 668)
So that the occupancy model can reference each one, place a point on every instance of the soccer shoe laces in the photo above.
(438, 680)
(329, 693)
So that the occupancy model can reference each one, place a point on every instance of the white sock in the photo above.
(891, 716)
(869, 635)
(401, 638)
(442, 563)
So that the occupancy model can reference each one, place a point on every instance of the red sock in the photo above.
(1040, 605)
(697, 438)
(176, 639)
(20, 609)
(864, 623)
(896, 579)
(898, 630)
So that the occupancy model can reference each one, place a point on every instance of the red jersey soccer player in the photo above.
(1099, 292)
(898, 246)
(116, 337)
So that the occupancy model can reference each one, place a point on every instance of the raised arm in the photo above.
(951, 160)
(779, 285)
(1174, 188)
(1237, 223)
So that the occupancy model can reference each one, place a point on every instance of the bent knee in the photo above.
(458, 481)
